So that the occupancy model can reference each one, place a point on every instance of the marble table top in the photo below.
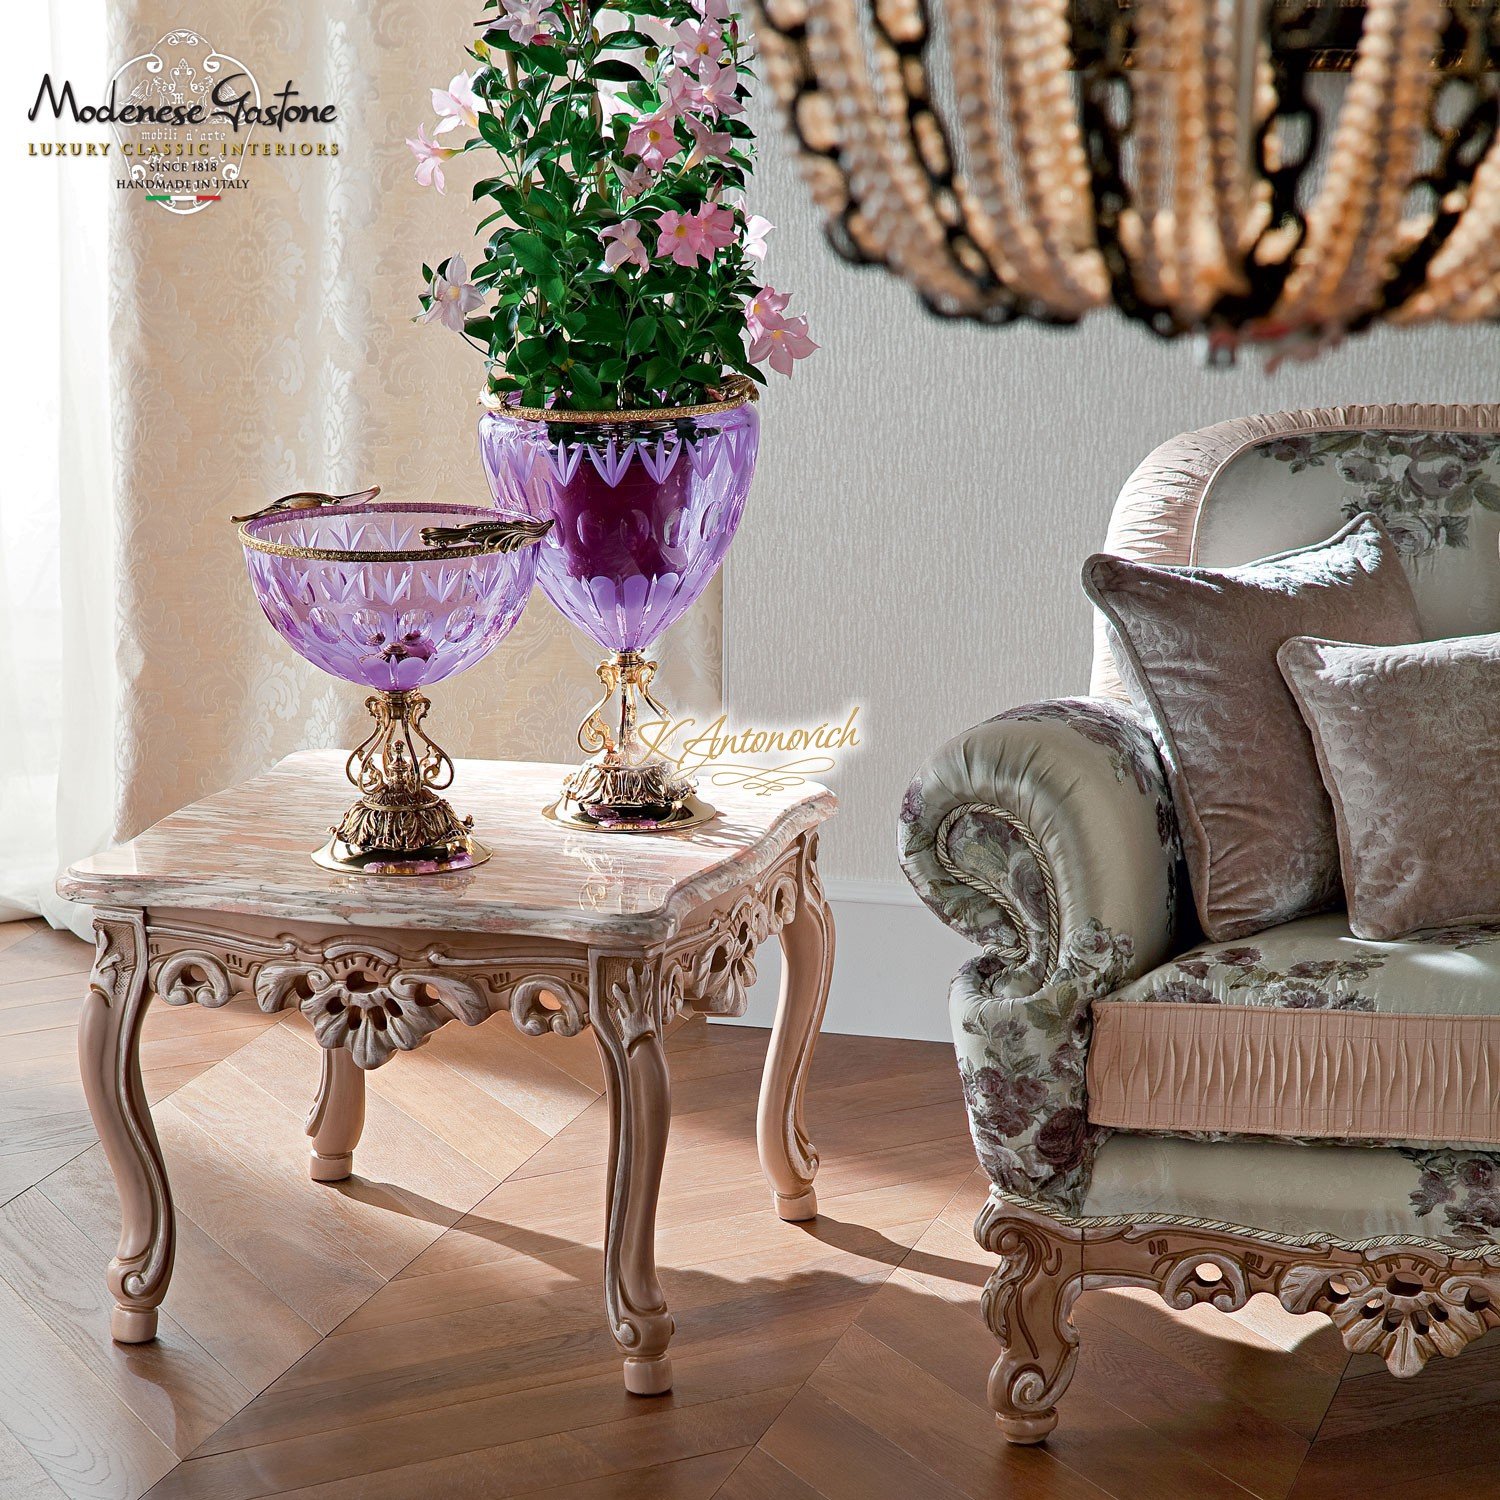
(249, 849)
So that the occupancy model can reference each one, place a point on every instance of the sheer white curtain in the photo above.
(57, 687)
(179, 369)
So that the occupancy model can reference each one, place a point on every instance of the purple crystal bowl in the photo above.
(644, 510)
(354, 589)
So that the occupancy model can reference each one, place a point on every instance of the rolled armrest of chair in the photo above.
(1046, 835)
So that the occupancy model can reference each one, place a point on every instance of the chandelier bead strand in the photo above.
(1046, 158)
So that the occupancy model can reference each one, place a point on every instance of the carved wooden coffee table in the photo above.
(221, 901)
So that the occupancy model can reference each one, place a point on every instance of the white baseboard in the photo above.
(892, 966)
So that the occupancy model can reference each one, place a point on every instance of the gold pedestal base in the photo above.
(627, 787)
(689, 813)
(400, 826)
(352, 859)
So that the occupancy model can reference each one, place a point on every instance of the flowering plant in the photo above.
(620, 268)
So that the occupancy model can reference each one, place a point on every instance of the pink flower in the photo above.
(430, 158)
(716, 11)
(689, 238)
(458, 104)
(765, 309)
(679, 93)
(715, 228)
(454, 296)
(781, 344)
(716, 90)
(526, 20)
(698, 42)
(623, 245)
(774, 337)
(757, 228)
(654, 140)
(636, 181)
(681, 237)
(708, 145)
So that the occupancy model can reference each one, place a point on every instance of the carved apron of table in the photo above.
(372, 993)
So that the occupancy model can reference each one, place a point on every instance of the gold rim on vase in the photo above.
(737, 389)
(440, 552)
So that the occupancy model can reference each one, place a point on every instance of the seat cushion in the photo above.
(1357, 1195)
(1306, 1032)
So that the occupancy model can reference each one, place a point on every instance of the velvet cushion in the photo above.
(1197, 649)
(1408, 739)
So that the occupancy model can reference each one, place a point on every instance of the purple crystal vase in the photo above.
(644, 509)
(358, 593)
(394, 598)
(645, 513)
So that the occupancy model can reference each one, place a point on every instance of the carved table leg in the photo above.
(109, 1036)
(1028, 1303)
(629, 1002)
(337, 1117)
(787, 1157)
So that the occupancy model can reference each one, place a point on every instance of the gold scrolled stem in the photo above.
(398, 753)
(400, 825)
(626, 784)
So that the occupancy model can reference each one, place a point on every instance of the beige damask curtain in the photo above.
(265, 345)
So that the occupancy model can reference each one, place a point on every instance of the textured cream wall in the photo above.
(927, 492)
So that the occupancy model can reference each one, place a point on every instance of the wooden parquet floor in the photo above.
(434, 1327)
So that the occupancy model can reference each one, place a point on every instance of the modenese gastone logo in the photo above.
(234, 108)
(183, 115)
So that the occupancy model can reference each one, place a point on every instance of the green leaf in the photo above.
(617, 70)
(544, 59)
(495, 132)
(660, 373)
(547, 205)
(604, 324)
(641, 333)
(585, 387)
(531, 253)
(629, 38)
(532, 355)
(512, 201)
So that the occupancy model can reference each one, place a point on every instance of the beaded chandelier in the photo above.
(1044, 158)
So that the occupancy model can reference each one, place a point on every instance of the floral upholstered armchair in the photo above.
(1300, 1112)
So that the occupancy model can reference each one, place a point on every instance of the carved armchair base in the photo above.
(1405, 1302)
